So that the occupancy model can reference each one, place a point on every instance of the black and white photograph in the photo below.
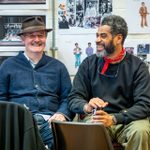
(85, 14)
(9, 27)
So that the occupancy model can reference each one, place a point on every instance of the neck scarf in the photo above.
(114, 60)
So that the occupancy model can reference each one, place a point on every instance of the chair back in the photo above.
(18, 130)
(80, 136)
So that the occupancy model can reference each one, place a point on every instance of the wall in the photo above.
(125, 8)
(61, 45)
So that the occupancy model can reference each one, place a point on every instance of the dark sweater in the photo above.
(43, 89)
(126, 87)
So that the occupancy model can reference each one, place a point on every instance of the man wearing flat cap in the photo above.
(35, 80)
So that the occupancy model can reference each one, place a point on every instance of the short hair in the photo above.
(117, 24)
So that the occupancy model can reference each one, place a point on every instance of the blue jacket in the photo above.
(43, 89)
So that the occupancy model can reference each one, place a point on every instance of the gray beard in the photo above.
(101, 54)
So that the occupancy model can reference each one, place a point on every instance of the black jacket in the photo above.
(125, 86)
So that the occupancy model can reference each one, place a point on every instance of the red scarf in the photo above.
(114, 60)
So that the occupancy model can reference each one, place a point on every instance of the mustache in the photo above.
(37, 43)
(101, 43)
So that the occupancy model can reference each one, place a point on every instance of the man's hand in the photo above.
(103, 117)
(94, 103)
(58, 117)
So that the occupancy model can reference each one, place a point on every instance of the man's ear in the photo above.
(119, 38)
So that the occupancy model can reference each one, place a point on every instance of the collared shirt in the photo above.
(31, 61)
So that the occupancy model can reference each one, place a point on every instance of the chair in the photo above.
(80, 136)
(18, 130)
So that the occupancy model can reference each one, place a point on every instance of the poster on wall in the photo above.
(80, 15)
(138, 16)
(9, 27)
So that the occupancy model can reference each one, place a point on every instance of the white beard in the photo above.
(102, 53)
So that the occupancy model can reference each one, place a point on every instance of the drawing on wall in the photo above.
(138, 16)
(77, 51)
(143, 13)
(22, 1)
(67, 48)
(9, 27)
(85, 14)
(89, 50)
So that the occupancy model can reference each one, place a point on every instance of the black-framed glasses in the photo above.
(111, 73)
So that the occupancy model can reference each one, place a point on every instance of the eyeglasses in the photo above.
(114, 73)
(33, 36)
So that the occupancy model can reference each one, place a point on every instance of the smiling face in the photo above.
(34, 42)
(104, 41)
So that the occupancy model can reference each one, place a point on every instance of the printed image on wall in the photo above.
(139, 48)
(143, 51)
(138, 16)
(82, 14)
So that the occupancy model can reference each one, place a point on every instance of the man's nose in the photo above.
(37, 37)
(98, 39)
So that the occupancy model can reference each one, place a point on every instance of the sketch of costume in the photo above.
(89, 50)
(143, 12)
(77, 52)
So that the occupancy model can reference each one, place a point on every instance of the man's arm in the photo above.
(141, 95)
(65, 87)
(80, 93)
